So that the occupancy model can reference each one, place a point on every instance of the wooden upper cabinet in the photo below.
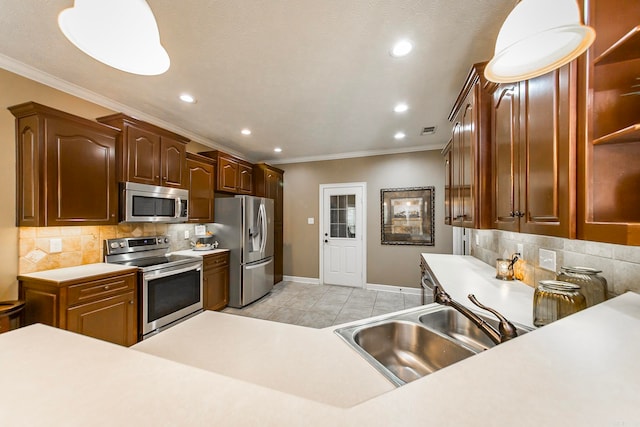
(143, 148)
(245, 178)
(63, 163)
(446, 154)
(149, 154)
(201, 186)
(534, 154)
(470, 153)
(609, 125)
(234, 175)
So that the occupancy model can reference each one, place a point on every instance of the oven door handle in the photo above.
(151, 276)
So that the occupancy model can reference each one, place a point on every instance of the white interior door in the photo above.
(342, 234)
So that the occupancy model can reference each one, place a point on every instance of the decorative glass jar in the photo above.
(553, 300)
(592, 285)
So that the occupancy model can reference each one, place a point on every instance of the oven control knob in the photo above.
(159, 240)
(166, 240)
(114, 245)
(122, 244)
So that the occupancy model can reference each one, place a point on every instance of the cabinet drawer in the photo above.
(102, 288)
(216, 261)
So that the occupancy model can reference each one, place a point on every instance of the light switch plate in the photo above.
(186, 234)
(311, 221)
(547, 259)
(55, 245)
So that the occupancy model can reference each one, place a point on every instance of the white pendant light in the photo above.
(120, 33)
(538, 36)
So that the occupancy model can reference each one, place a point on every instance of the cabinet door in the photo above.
(456, 175)
(245, 179)
(81, 175)
(547, 154)
(111, 319)
(468, 164)
(505, 139)
(447, 184)
(30, 168)
(143, 156)
(201, 191)
(172, 163)
(215, 281)
(227, 174)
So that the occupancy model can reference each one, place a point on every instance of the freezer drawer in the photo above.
(256, 282)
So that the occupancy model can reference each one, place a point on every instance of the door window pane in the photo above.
(343, 216)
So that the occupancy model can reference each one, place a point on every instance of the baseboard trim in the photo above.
(309, 280)
(394, 289)
(368, 286)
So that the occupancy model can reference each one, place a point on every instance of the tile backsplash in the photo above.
(620, 264)
(84, 245)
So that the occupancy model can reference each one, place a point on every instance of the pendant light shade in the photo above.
(120, 33)
(538, 36)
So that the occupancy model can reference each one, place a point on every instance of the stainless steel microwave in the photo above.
(151, 203)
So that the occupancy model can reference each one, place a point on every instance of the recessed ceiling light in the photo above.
(402, 48)
(278, 150)
(401, 108)
(399, 135)
(245, 131)
(187, 98)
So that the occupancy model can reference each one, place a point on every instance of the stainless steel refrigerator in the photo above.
(244, 224)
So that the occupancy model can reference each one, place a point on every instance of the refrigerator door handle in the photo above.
(263, 225)
(259, 265)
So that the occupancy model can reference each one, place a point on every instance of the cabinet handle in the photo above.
(518, 214)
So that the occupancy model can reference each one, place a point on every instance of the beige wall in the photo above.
(386, 264)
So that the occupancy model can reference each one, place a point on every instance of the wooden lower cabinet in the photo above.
(215, 281)
(108, 319)
(102, 306)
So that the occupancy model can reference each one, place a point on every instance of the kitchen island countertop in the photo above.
(581, 370)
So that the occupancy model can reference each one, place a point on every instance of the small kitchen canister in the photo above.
(553, 300)
(592, 285)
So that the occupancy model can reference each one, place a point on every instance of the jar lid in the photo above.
(557, 285)
(580, 270)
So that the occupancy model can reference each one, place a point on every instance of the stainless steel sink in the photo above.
(406, 349)
(455, 325)
(408, 346)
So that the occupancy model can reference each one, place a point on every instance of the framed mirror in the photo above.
(407, 216)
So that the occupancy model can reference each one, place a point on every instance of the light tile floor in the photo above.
(320, 306)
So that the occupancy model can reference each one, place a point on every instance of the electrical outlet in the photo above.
(55, 245)
(547, 259)
(186, 234)
(311, 221)
(477, 239)
(520, 249)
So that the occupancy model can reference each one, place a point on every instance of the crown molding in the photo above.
(47, 79)
(356, 154)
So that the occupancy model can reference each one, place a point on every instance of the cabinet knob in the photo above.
(157, 176)
(106, 288)
(164, 178)
(131, 302)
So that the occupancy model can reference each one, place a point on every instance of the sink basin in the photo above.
(407, 346)
(408, 350)
(453, 324)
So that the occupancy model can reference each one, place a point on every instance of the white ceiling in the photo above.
(311, 76)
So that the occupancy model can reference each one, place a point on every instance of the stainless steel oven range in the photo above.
(169, 286)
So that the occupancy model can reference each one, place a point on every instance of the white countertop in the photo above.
(582, 370)
(191, 252)
(78, 272)
(464, 275)
(305, 362)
